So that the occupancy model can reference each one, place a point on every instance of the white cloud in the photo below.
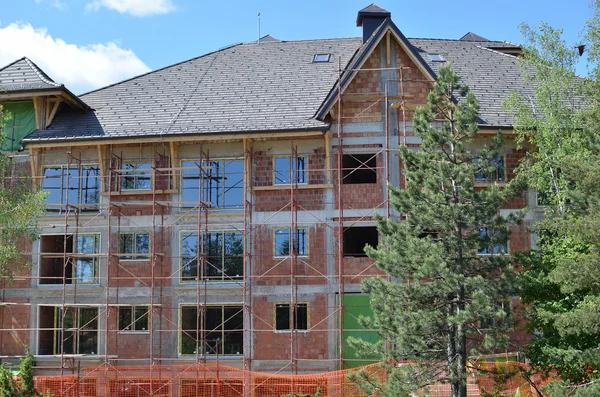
(80, 68)
(60, 4)
(138, 8)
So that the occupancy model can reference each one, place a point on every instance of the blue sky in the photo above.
(90, 43)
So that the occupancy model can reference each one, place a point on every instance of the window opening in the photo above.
(436, 58)
(491, 243)
(83, 187)
(82, 260)
(288, 170)
(299, 313)
(219, 330)
(221, 256)
(319, 58)
(282, 242)
(222, 183)
(136, 176)
(359, 168)
(134, 246)
(79, 335)
(495, 173)
(355, 239)
(133, 318)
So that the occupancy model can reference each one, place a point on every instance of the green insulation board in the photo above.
(19, 122)
(356, 305)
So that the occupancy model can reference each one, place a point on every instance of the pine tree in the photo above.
(433, 317)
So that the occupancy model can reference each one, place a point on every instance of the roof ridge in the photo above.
(40, 73)
(12, 63)
(497, 52)
(163, 68)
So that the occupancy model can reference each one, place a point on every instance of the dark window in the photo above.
(72, 185)
(221, 257)
(212, 330)
(288, 170)
(81, 265)
(133, 318)
(134, 246)
(359, 168)
(282, 242)
(355, 239)
(78, 336)
(299, 315)
(220, 181)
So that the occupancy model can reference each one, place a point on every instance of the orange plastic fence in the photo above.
(215, 380)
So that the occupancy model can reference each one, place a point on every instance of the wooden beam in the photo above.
(388, 48)
(233, 137)
(358, 97)
(51, 110)
(328, 156)
(102, 164)
(33, 161)
(173, 148)
(69, 98)
(29, 94)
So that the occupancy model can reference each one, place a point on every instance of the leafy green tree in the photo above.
(435, 316)
(560, 123)
(20, 207)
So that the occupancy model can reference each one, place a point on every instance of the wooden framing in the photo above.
(232, 137)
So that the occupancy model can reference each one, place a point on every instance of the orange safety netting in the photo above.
(215, 380)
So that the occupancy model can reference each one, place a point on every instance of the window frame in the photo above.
(124, 174)
(76, 329)
(60, 206)
(94, 257)
(200, 274)
(489, 181)
(134, 256)
(134, 319)
(291, 171)
(492, 248)
(275, 307)
(201, 330)
(224, 161)
(306, 239)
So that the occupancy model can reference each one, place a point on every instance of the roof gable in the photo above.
(363, 54)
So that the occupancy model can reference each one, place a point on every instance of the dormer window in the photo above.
(320, 58)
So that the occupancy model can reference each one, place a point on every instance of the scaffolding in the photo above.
(135, 210)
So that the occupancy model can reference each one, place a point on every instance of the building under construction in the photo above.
(215, 211)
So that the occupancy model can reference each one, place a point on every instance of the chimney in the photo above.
(370, 18)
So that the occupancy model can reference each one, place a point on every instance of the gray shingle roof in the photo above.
(24, 75)
(273, 86)
(491, 75)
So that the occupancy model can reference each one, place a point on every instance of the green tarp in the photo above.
(356, 305)
(19, 123)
